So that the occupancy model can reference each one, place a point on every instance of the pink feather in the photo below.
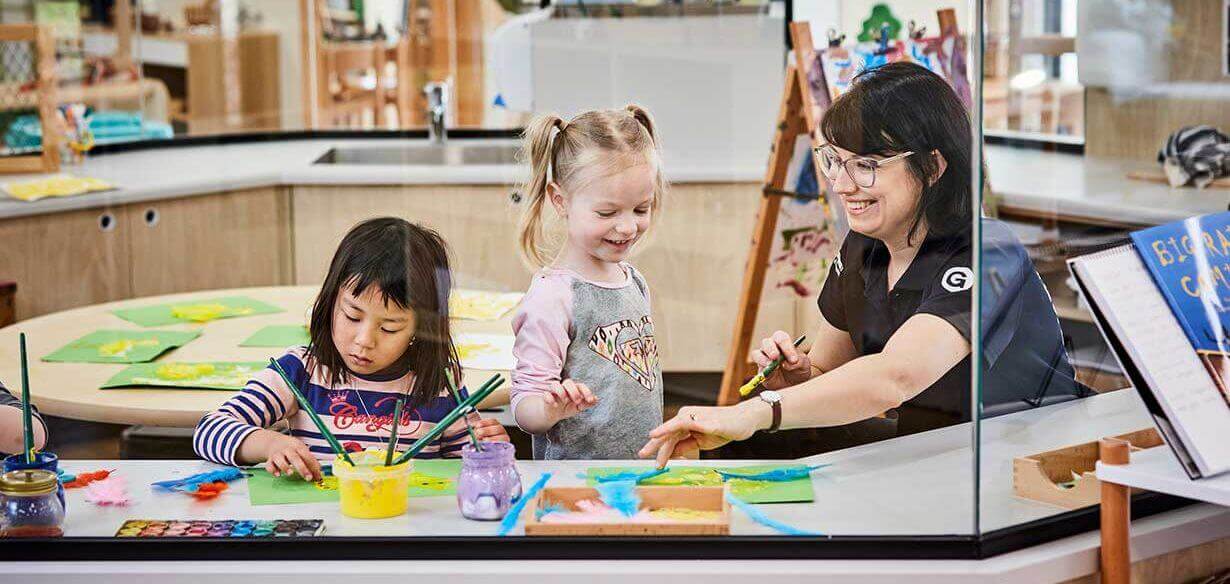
(109, 491)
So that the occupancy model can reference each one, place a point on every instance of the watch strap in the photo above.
(777, 416)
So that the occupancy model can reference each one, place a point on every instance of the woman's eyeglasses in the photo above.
(862, 170)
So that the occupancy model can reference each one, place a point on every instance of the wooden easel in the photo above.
(798, 114)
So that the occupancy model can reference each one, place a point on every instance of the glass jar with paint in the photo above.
(29, 506)
(489, 482)
(370, 490)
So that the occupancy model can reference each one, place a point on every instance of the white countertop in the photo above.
(1072, 185)
(165, 173)
(1051, 183)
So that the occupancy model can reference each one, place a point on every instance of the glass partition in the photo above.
(154, 284)
(1144, 86)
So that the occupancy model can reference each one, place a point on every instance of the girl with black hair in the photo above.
(894, 333)
(379, 333)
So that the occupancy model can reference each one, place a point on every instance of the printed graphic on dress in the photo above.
(630, 345)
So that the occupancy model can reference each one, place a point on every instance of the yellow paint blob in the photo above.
(183, 371)
(122, 347)
(684, 514)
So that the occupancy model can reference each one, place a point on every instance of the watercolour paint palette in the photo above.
(225, 528)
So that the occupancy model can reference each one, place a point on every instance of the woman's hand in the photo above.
(286, 454)
(490, 430)
(795, 368)
(698, 428)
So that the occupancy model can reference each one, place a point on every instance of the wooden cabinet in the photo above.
(77, 258)
(693, 259)
(227, 240)
(64, 260)
(479, 223)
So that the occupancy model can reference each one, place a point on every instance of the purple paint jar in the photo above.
(489, 482)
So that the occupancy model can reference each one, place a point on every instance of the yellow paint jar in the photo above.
(370, 490)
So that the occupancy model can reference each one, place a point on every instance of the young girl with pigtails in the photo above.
(588, 384)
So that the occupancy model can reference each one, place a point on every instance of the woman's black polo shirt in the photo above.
(1023, 353)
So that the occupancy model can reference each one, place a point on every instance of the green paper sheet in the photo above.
(428, 478)
(222, 375)
(113, 346)
(279, 336)
(796, 491)
(200, 311)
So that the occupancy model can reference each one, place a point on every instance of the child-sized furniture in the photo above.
(28, 54)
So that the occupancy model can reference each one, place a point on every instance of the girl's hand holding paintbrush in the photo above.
(795, 367)
(490, 430)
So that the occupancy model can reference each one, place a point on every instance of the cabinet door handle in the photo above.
(106, 221)
(151, 217)
(515, 197)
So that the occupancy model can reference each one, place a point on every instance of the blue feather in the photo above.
(775, 475)
(764, 520)
(620, 496)
(190, 483)
(637, 477)
(514, 513)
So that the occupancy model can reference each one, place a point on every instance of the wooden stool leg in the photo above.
(1116, 515)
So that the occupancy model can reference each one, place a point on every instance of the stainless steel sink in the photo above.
(455, 154)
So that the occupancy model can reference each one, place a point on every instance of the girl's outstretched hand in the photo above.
(490, 430)
(568, 399)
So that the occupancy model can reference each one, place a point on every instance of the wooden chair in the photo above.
(41, 86)
(8, 303)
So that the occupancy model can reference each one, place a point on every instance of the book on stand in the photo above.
(1163, 305)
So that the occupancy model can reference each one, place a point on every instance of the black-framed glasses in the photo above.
(862, 170)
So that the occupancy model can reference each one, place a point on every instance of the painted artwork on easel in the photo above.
(805, 237)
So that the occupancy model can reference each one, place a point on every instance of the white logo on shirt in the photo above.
(837, 267)
(958, 279)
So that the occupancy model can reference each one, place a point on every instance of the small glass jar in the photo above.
(43, 461)
(29, 506)
(489, 482)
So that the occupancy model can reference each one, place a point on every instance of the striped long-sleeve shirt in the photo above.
(360, 414)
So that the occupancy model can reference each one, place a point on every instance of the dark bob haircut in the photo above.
(408, 264)
(903, 107)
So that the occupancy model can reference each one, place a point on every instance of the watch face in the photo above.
(770, 396)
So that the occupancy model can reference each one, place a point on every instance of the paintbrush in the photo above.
(320, 424)
(388, 456)
(448, 420)
(767, 371)
(452, 387)
(27, 422)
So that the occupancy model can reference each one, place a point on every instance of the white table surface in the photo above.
(1156, 469)
(913, 485)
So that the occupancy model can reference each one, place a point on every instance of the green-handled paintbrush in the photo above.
(320, 424)
(448, 420)
(388, 456)
(452, 387)
(768, 370)
(27, 421)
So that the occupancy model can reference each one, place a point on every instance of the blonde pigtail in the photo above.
(538, 145)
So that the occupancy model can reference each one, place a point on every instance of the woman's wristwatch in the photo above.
(774, 400)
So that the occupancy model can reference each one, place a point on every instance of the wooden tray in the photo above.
(1040, 477)
(698, 498)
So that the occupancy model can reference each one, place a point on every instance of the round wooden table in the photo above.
(70, 390)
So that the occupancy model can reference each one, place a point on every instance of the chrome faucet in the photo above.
(437, 111)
